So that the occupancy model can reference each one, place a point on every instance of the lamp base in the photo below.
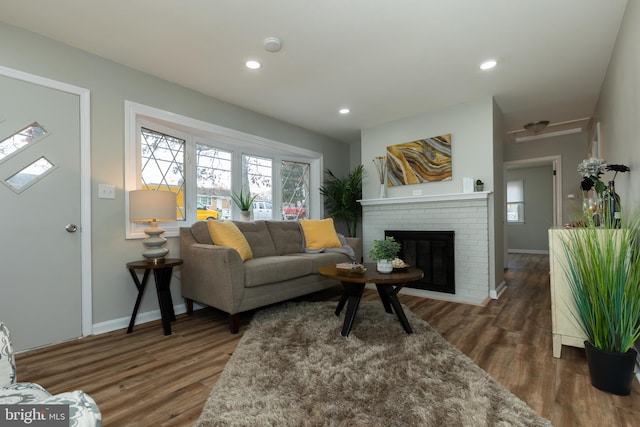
(154, 251)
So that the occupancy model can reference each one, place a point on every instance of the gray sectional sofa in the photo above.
(280, 269)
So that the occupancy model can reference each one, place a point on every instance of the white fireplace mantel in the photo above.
(428, 198)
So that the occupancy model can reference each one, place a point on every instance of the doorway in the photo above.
(554, 190)
(45, 193)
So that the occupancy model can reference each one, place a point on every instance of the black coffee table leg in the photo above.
(389, 295)
(384, 297)
(341, 303)
(352, 294)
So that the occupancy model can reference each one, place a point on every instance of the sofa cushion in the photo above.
(226, 233)
(258, 236)
(324, 258)
(272, 269)
(320, 233)
(286, 235)
(200, 232)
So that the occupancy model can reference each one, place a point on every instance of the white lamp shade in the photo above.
(151, 205)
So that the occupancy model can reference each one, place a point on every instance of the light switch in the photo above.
(106, 191)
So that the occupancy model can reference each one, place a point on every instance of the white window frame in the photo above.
(204, 133)
(518, 203)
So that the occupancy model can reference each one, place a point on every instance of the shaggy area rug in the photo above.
(293, 368)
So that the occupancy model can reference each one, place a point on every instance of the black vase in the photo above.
(609, 371)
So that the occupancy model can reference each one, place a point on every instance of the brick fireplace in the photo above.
(466, 215)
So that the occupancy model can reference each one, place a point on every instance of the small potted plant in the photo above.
(479, 185)
(384, 252)
(244, 202)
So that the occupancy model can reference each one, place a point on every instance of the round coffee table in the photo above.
(387, 284)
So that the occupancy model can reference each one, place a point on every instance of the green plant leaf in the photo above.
(603, 273)
(341, 197)
(243, 201)
(384, 249)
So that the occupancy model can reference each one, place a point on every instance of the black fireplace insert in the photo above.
(433, 253)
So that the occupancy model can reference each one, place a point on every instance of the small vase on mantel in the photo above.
(383, 191)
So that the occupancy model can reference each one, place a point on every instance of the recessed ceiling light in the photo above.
(487, 65)
(344, 111)
(252, 64)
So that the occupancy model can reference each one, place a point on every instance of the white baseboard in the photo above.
(495, 294)
(443, 296)
(148, 316)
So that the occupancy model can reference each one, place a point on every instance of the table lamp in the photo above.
(153, 206)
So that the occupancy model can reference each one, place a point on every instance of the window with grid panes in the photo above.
(203, 164)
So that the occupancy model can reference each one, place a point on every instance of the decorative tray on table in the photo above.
(348, 267)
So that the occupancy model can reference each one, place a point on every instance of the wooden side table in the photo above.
(162, 272)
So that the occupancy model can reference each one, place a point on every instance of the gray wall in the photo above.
(532, 236)
(110, 85)
(472, 146)
(572, 149)
(498, 215)
(618, 109)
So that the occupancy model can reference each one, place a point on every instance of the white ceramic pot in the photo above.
(384, 266)
(245, 215)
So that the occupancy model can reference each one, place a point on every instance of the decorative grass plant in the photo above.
(243, 201)
(603, 272)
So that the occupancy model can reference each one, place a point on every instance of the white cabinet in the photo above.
(564, 327)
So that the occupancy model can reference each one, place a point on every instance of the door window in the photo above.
(21, 139)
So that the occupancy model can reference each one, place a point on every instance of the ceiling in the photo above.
(383, 59)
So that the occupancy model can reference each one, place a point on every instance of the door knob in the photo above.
(71, 228)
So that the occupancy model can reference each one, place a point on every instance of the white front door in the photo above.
(41, 292)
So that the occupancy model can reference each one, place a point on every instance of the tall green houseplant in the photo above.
(341, 197)
(603, 274)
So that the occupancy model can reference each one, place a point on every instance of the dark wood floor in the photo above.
(147, 379)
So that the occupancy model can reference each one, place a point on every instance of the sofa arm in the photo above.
(356, 245)
(212, 275)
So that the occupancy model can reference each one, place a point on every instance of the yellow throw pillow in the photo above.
(320, 233)
(226, 233)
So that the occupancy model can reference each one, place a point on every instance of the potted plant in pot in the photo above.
(479, 185)
(603, 273)
(384, 252)
(244, 202)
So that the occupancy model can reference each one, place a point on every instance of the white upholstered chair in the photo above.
(83, 411)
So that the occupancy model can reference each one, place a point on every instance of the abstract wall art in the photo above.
(424, 160)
